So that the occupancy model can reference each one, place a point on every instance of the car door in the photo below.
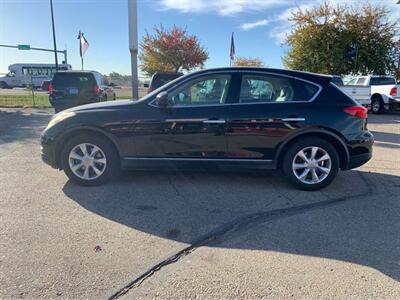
(268, 108)
(191, 126)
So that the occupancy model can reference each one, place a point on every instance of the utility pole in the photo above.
(54, 34)
(133, 46)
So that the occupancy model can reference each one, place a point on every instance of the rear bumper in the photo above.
(359, 160)
(360, 151)
(62, 104)
(393, 104)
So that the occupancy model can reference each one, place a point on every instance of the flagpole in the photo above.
(54, 34)
(133, 46)
(82, 62)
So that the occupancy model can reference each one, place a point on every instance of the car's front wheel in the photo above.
(311, 164)
(90, 160)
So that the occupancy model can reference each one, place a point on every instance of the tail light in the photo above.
(393, 91)
(357, 111)
(96, 90)
(51, 89)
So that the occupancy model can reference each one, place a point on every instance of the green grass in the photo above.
(24, 101)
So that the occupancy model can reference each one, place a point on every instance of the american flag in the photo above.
(83, 44)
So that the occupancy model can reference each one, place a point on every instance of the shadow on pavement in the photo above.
(360, 229)
(21, 124)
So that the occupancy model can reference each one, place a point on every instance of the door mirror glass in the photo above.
(162, 99)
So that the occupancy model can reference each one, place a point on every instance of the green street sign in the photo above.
(24, 47)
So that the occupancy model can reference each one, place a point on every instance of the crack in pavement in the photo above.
(236, 225)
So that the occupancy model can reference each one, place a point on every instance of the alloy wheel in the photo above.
(87, 161)
(312, 165)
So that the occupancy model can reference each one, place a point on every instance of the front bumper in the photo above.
(48, 148)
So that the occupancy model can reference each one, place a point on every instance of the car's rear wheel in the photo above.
(311, 164)
(377, 106)
(90, 160)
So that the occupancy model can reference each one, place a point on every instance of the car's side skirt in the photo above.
(219, 163)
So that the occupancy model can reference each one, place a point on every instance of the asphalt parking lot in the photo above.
(198, 234)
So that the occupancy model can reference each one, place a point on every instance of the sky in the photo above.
(259, 28)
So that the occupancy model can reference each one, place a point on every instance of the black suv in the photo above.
(298, 122)
(73, 88)
(161, 78)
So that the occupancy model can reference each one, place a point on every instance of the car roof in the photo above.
(292, 73)
(75, 72)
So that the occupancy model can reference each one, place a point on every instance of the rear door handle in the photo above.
(293, 119)
(214, 121)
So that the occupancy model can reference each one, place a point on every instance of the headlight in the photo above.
(60, 117)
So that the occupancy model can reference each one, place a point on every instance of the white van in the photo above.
(21, 75)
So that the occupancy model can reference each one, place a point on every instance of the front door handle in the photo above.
(214, 121)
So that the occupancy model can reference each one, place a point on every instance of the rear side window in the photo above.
(382, 81)
(73, 80)
(271, 89)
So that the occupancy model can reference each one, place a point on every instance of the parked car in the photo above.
(244, 117)
(161, 78)
(362, 94)
(336, 79)
(384, 92)
(73, 88)
(45, 85)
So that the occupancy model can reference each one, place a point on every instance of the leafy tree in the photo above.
(341, 40)
(248, 62)
(171, 51)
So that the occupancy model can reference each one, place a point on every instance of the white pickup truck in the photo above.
(378, 92)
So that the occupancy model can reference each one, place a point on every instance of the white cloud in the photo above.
(248, 26)
(222, 7)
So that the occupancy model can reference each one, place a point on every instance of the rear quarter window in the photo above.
(73, 80)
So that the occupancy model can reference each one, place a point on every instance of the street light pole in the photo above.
(133, 46)
(54, 34)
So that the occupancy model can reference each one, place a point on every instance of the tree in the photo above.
(171, 51)
(248, 62)
(341, 40)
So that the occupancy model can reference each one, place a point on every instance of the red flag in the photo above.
(83, 44)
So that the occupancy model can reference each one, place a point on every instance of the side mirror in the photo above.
(162, 99)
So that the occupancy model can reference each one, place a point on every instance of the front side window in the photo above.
(209, 90)
(274, 89)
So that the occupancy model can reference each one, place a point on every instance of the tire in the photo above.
(377, 106)
(292, 161)
(3, 85)
(106, 161)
